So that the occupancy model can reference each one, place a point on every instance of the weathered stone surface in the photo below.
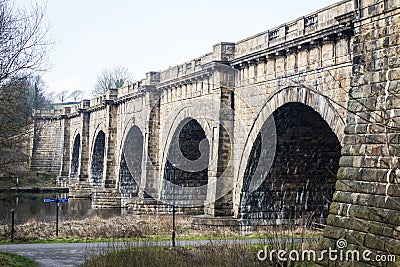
(366, 207)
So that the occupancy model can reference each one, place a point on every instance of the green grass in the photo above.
(87, 240)
(211, 255)
(214, 254)
(159, 238)
(28, 180)
(14, 260)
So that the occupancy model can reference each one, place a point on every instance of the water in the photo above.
(31, 206)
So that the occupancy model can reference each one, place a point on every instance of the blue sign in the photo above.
(59, 200)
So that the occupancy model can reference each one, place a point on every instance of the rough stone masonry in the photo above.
(329, 82)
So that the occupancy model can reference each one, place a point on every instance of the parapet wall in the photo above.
(227, 53)
(303, 27)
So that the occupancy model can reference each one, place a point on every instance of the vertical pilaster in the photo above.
(150, 180)
(85, 148)
(220, 184)
(150, 166)
(109, 175)
(63, 178)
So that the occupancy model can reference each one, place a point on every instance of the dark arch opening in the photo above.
(98, 160)
(189, 143)
(131, 163)
(75, 157)
(300, 184)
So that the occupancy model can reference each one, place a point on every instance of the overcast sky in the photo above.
(150, 35)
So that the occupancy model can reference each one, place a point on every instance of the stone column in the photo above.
(63, 178)
(84, 151)
(150, 181)
(221, 174)
(109, 176)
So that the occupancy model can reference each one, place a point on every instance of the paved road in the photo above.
(74, 254)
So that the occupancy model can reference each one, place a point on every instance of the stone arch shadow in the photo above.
(183, 114)
(75, 156)
(128, 124)
(281, 105)
(130, 161)
(97, 158)
(184, 117)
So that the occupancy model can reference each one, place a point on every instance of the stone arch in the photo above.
(130, 166)
(97, 162)
(184, 114)
(191, 149)
(312, 101)
(75, 156)
(126, 127)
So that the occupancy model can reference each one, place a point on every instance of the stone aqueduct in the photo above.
(330, 82)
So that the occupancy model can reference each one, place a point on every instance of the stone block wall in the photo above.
(47, 148)
(366, 207)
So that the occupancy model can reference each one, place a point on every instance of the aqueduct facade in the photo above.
(295, 122)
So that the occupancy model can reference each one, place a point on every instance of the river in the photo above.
(31, 206)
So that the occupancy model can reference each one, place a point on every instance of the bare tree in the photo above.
(36, 87)
(76, 95)
(63, 95)
(51, 96)
(14, 111)
(24, 46)
(109, 79)
(24, 42)
(121, 76)
(103, 83)
(18, 98)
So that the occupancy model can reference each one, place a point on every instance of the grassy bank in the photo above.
(27, 179)
(14, 260)
(232, 255)
(131, 228)
(214, 254)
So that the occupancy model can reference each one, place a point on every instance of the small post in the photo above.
(57, 206)
(173, 209)
(57, 200)
(12, 224)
